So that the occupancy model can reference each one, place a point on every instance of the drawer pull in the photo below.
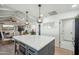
(31, 50)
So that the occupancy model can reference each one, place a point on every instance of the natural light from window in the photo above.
(8, 25)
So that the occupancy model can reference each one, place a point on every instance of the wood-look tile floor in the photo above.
(61, 51)
(9, 50)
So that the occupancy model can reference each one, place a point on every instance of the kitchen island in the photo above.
(35, 45)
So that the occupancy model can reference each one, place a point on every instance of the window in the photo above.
(8, 27)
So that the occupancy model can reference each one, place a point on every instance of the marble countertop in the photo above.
(35, 41)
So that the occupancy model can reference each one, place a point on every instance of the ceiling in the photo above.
(45, 9)
(18, 10)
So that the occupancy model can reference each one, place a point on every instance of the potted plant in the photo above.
(33, 32)
(26, 32)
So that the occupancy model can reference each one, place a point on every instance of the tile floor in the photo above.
(7, 49)
(61, 51)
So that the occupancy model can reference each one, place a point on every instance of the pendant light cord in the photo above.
(27, 22)
(39, 10)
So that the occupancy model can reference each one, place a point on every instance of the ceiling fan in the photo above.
(11, 19)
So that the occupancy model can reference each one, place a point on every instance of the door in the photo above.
(67, 34)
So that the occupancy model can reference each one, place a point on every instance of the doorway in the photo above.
(66, 34)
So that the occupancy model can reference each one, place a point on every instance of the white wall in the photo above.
(54, 30)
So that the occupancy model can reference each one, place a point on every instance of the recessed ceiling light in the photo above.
(74, 5)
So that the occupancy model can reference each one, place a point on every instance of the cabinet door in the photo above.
(23, 48)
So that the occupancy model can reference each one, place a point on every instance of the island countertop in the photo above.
(35, 41)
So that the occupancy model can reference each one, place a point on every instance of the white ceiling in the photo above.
(18, 10)
(45, 9)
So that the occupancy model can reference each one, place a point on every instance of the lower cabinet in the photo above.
(26, 50)
(23, 48)
(47, 50)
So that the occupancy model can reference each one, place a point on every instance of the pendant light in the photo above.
(39, 18)
(27, 23)
(39, 21)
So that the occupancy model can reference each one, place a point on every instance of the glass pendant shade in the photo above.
(39, 19)
(27, 23)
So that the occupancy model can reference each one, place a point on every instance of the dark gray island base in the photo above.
(34, 45)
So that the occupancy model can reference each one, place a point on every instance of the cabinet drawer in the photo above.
(23, 48)
(32, 51)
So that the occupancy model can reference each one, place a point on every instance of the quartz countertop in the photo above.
(35, 41)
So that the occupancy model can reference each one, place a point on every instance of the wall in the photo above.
(53, 22)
